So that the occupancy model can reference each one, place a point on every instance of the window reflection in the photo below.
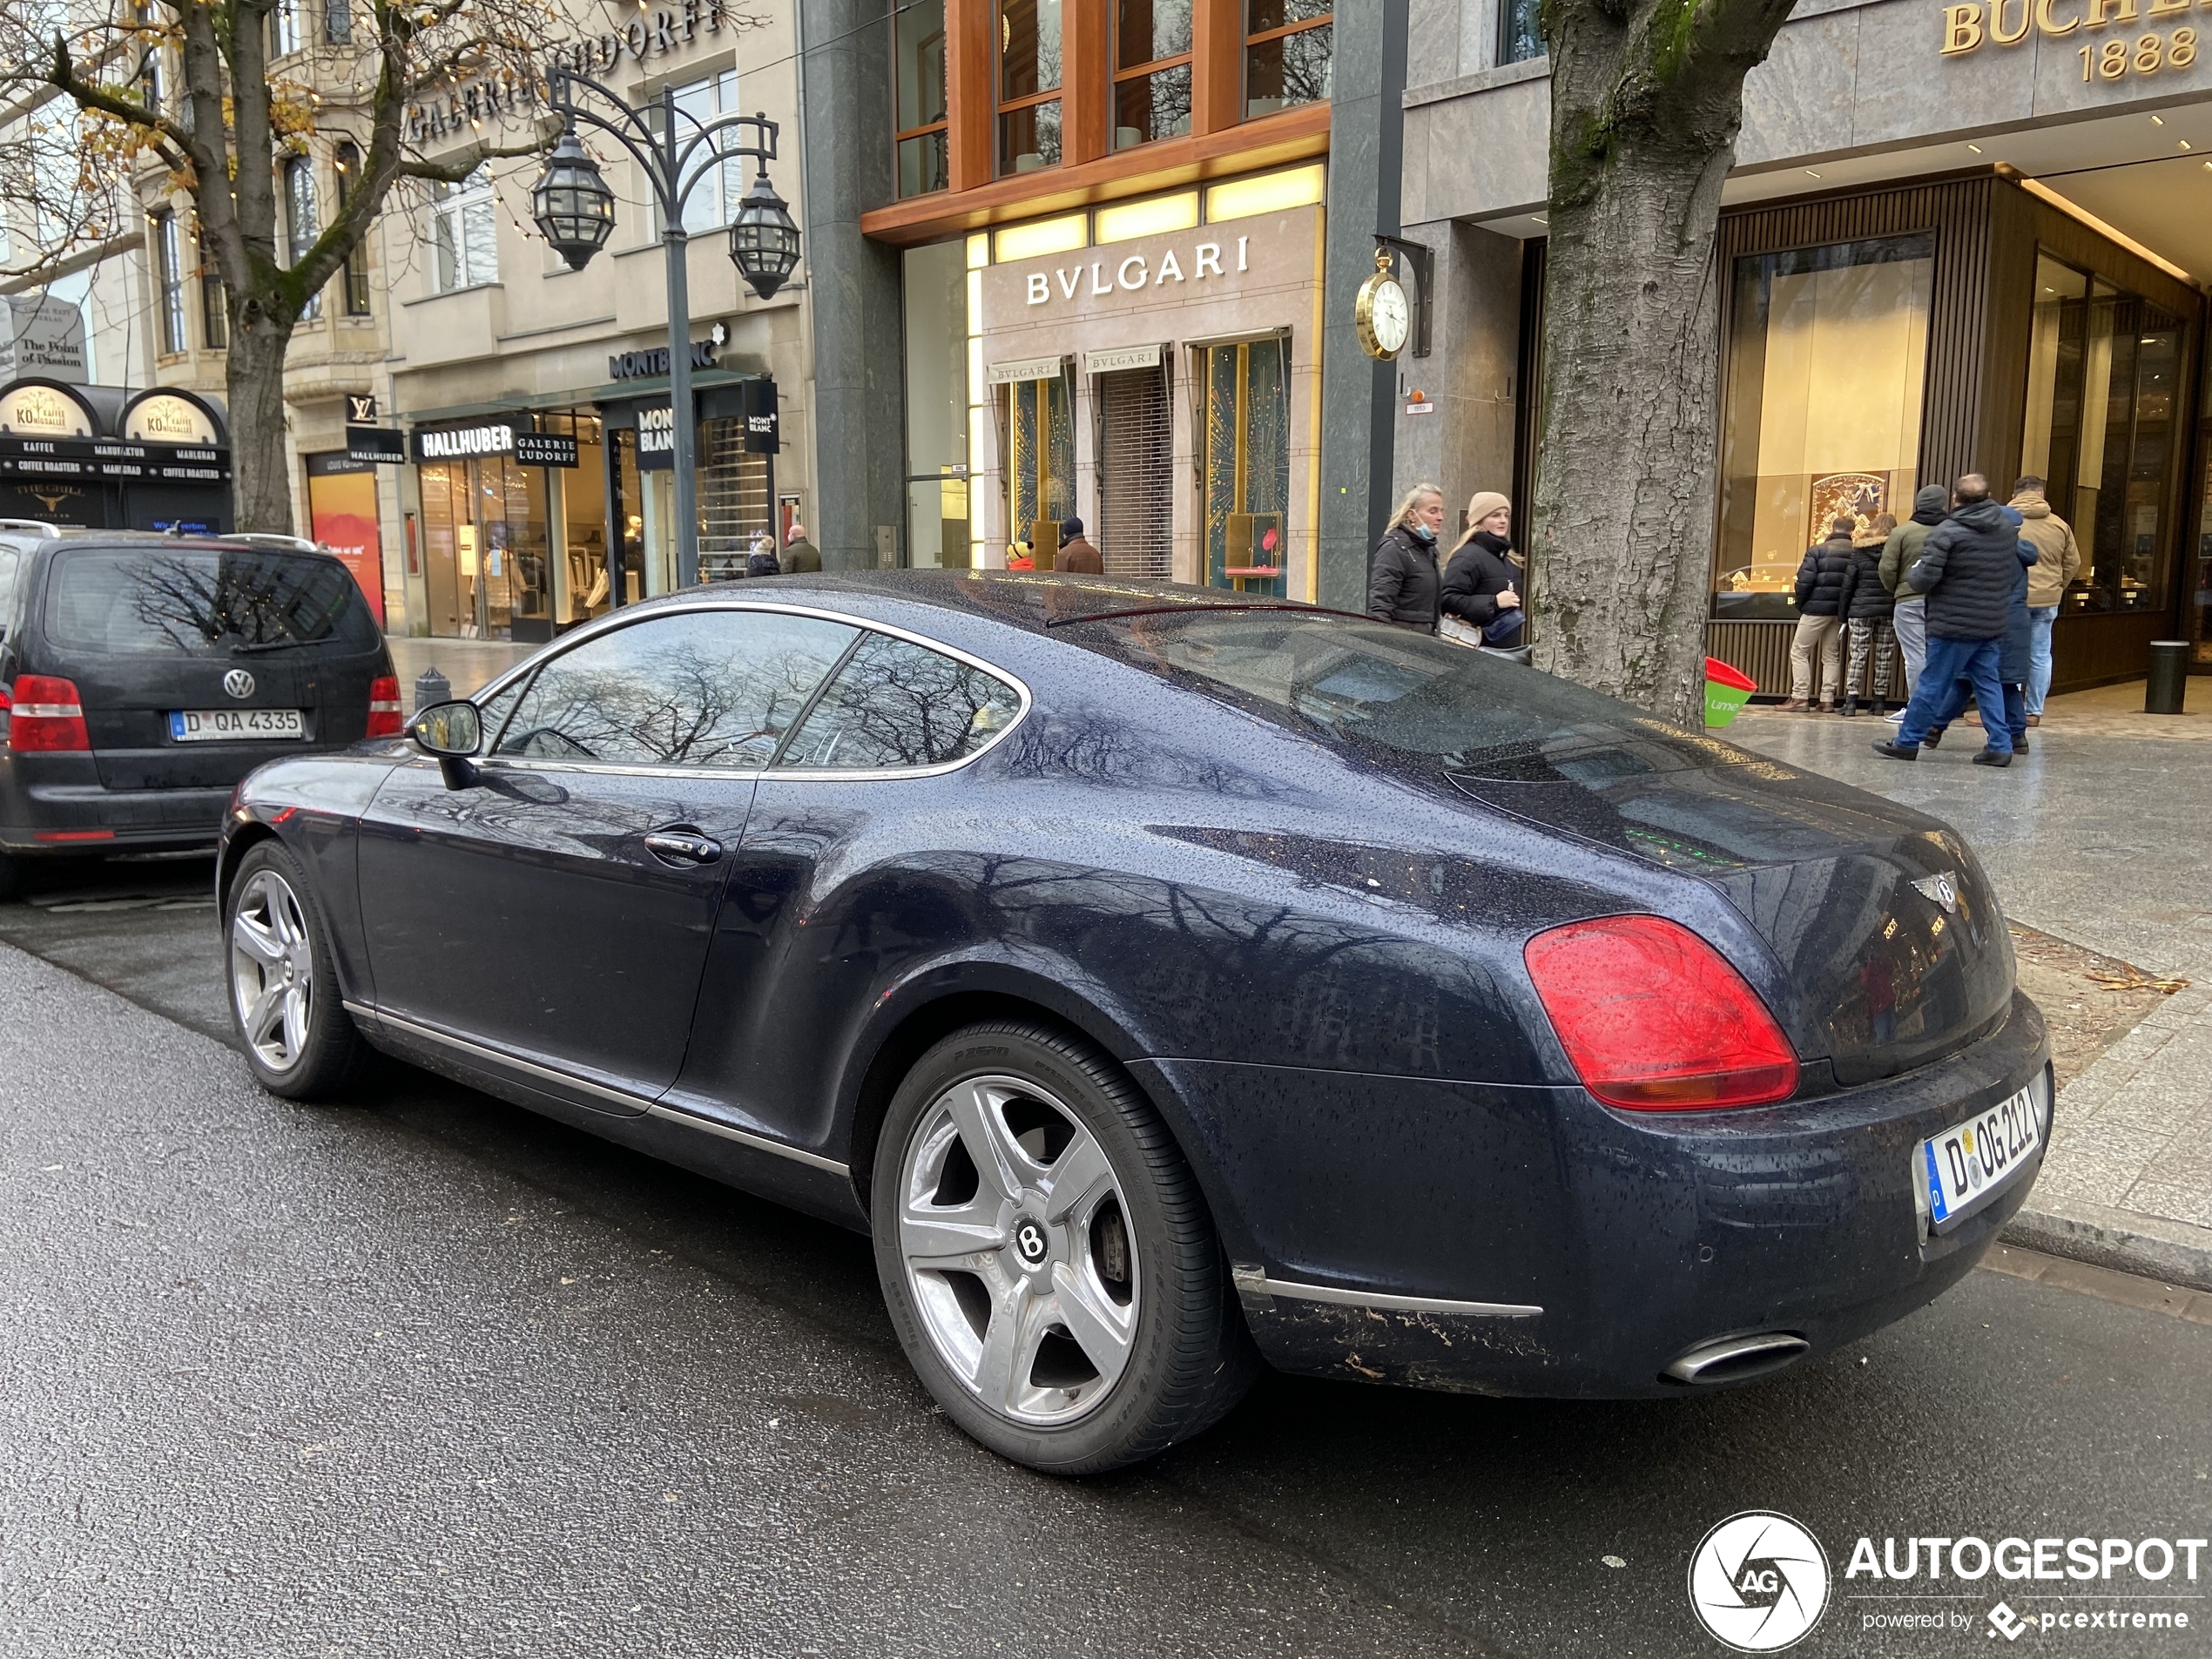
(2102, 371)
(896, 704)
(717, 688)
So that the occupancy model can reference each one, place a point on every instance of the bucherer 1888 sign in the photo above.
(2123, 46)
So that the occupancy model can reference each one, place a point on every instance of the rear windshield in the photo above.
(201, 601)
(1376, 685)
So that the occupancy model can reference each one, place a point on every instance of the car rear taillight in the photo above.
(45, 716)
(1655, 1020)
(386, 717)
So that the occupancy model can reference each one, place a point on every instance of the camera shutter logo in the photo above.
(1759, 1582)
(238, 683)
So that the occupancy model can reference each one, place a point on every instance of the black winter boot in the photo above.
(1850, 708)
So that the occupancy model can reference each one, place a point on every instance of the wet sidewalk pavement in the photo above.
(2102, 836)
(467, 664)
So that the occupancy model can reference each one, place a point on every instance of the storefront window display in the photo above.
(1245, 465)
(485, 538)
(1039, 416)
(2104, 367)
(1827, 358)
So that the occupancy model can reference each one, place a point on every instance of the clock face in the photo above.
(1390, 317)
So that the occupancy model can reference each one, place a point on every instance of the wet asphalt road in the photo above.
(424, 1374)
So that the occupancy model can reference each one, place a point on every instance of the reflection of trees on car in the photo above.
(191, 601)
(895, 703)
(686, 701)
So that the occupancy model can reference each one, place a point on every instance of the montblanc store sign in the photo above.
(652, 363)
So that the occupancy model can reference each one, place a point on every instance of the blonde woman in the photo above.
(1482, 581)
(1403, 580)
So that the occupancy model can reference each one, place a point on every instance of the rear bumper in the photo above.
(1634, 1237)
(57, 804)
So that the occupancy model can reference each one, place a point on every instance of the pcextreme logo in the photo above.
(1759, 1582)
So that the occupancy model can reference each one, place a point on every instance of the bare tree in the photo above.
(1646, 99)
(117, 100)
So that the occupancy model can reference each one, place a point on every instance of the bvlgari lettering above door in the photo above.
(1135, 273)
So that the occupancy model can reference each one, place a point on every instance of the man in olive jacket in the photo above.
(1968, 568)
(1911, 617)
(2058, 558)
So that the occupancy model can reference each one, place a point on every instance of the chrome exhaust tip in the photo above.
(1733, 1359)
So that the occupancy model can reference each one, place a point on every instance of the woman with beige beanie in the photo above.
(1482, 583)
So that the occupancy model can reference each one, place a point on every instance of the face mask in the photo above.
(1422, 532)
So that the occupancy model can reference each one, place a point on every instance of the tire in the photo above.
(1047, 1259)
(12, 876)
(284, 997)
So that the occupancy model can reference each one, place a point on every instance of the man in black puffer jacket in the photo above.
(1867, 609)
(1820, 618)
(1968, 567)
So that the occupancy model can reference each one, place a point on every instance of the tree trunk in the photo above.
(261, 480)
(1625, 480)
(1647, 98)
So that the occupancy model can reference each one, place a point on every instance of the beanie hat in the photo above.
(1484, 503)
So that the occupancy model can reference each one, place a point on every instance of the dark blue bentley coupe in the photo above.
(1170, 982)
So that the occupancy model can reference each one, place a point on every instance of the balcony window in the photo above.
(284, 28)
(921, 102)
(464, 232)
(169, 254)
(1287, 55)
(303, 222)
(1521, 31)
(214, 304)
(349, 167)
(1151, 70)
(1029, 114)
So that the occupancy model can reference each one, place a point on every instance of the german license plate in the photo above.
(1970, 1163)
(235, 726)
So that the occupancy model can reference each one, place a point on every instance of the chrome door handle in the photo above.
(682, 846)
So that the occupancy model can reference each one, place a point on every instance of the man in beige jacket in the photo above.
(2058, 557)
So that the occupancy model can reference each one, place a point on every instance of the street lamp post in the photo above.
(575, 209)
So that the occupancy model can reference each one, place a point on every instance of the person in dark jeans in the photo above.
(1969, 568)
(2015, 663)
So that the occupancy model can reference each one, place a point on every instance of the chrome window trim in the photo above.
(1005, 677)
(644, 1105)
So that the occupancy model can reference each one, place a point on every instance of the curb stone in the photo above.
(2172, 1253)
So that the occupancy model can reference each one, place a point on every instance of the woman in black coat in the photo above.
(1403, 581)
(1482, 583)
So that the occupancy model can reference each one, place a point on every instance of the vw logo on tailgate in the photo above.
(238, 683)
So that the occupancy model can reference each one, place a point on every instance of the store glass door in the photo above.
(1245, 462)
(1039, 419)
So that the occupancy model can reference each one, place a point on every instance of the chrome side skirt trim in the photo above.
(1253, 1282)
(745, 1137)
(638, 1104)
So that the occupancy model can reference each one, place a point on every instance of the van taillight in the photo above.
(1655, 1020)
(386, 717)
(45, 717)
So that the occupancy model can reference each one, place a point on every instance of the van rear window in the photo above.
(203, 601)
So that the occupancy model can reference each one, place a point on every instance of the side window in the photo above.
(895, 703)
(492, 711)
(716, 688)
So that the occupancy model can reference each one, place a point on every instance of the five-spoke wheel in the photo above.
(272, 969)
(1017, 1249)
(1049, 1265)
(297, 1035)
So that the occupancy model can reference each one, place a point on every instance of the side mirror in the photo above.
(453, 733)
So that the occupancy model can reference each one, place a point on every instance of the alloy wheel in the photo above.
(272, 970)
(1017, 1251)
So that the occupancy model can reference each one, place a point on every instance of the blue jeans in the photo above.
(1936, 699)
(1911, 623)
(2015, 713)
(2039, 618)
